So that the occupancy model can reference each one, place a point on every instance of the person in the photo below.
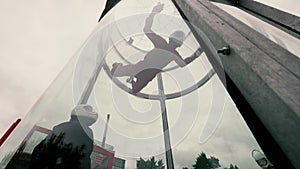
(69, 145)
(262, 160)
(155, 60)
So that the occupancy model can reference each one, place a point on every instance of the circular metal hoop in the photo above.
(174, 95)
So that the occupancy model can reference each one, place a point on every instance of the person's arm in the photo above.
(195, 55)
(155, 39)
(183, 62)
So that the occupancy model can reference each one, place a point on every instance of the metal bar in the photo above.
(169, 156)
(105, 131)
(174, 95)
(9, 131)
(268, 85)
(90, 85)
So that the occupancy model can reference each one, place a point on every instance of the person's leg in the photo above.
(143, 78)
(127, 70)
(139, 84)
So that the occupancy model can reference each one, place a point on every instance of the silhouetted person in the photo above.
(156, 59)
(69, 145)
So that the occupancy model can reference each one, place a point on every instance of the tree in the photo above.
(149, 164)
(214, 162)
(232, 167)
(202, 162)
(6, 159)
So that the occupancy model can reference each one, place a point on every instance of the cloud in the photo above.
(37, 39)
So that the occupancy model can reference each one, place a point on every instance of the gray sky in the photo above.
(38, 37)
(37, 40)
(287, 6)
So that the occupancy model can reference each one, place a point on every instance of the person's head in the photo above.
(260, 159)
(176, 39)
(84, 114)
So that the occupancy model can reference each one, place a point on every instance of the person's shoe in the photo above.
(131, 79)
(114, 67)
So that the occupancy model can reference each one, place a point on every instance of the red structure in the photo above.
(98, 162)
(9, 131)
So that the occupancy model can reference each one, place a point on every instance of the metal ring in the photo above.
(158, 97)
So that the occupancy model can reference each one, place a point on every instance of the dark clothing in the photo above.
(157, 58)
(143, 78)
(68, 146)
(154, 61)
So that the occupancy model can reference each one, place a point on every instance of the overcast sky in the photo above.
(38, 37)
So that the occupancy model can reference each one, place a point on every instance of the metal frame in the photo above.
(266, 91)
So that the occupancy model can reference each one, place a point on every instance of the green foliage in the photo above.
(149, 164)
(6, 159)
(28, 146)
(49, 151)
(214, 162)
(232, 167)
(202, 162)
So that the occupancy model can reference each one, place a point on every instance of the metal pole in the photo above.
(105, 131)
(90, 85)
(169, 156)
(9, 131)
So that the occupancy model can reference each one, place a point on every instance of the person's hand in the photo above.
(158, 8)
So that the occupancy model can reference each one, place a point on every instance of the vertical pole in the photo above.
(90, 85)
(105, 131)
(169, 156)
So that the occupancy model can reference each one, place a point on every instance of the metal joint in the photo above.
(225, 50)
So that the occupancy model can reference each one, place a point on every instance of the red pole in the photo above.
(9, 131)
